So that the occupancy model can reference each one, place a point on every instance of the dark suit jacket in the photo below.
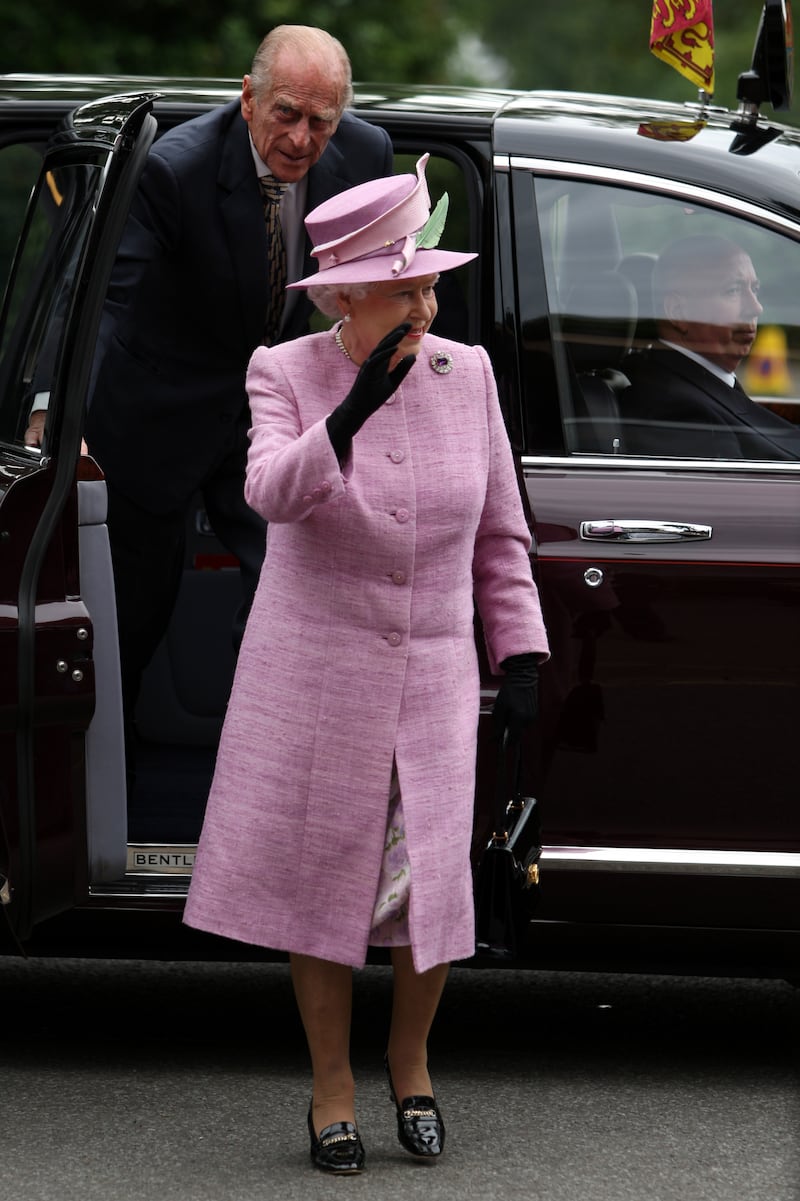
(674, 406)
(187, 302)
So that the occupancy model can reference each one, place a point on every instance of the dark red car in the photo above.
(665, 760)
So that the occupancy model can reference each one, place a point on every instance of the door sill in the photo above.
(153, 870)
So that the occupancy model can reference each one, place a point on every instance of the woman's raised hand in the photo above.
(374, 384)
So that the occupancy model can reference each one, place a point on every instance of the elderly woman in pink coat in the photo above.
(340, 814)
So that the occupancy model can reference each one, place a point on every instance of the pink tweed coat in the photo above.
(360, 650)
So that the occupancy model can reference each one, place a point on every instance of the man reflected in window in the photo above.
(684, 398)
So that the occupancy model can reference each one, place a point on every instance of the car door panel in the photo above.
(49, 322)
(671, 592)
(670, 715)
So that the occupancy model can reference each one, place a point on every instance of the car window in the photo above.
(39, 291)
(676, 327)
(19, 169)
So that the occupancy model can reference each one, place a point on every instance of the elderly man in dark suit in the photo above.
(198, 284)
(684, 397)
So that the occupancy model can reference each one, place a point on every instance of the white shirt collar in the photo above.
(294, 199)
(261, 167)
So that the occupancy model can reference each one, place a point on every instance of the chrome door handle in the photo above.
(612, 529)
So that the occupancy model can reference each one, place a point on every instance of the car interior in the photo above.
(600, 246)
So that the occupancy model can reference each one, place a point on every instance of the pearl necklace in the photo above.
(337, 337)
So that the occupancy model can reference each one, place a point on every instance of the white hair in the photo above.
(326, 296)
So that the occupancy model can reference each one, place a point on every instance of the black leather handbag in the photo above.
(507, 876)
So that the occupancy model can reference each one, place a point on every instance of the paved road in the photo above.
(176, 1082)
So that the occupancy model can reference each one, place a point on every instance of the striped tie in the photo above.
(272, 191)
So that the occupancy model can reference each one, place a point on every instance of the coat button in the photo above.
(402, 515)
(325, 486)
(397, 456)
(308, 499)
(394, 639)
(398, 577)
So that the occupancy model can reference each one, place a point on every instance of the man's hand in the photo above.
(35, 430)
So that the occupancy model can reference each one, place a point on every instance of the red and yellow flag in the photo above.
(682, 34)
(670, 131)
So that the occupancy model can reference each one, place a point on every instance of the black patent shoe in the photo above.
(338, 1149)
(420, 1127)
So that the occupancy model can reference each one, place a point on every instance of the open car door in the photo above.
(48, 328)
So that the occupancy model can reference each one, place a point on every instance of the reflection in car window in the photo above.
(676, 328)
(19, 170)
(39, 292)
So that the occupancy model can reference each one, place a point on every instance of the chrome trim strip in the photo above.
(645, 860)
(142, 888)
(617, 463)
(151, 884)
(651, 183)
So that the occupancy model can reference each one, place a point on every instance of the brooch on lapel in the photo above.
(441, 362)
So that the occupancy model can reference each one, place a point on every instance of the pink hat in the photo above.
(374, 232)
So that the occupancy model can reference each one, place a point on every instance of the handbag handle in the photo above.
(506, 772)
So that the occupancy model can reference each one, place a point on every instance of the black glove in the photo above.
(373, 387)
(517, 702)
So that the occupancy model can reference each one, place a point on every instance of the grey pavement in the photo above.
(189, 1082)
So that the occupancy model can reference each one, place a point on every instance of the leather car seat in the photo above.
(638, 268)
(598, 327)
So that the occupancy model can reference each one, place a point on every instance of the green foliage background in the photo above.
(594, 45)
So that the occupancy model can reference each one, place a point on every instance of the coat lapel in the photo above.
(734, 402)
(242, 214)
(754, 425)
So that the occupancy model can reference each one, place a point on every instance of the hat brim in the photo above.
(378, 269)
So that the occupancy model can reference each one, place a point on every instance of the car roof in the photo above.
(707, 146)
(25, 86)
(21, 86)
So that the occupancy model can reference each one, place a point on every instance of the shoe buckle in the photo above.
(338, 1138)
